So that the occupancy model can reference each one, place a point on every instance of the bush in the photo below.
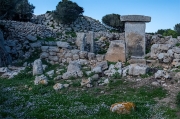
(20, 10)
(177, 28)
(167, 32)
(161, 31)
(67, 12)
(113, 20)
(170, 32)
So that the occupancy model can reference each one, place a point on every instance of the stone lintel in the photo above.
(135, 18)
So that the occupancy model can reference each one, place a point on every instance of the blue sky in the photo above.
(164, 13)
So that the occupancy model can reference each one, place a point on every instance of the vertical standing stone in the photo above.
(135, 35)
(80, 41)
(116, 51)
(90, 40)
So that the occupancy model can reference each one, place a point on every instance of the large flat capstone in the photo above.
(135, 18)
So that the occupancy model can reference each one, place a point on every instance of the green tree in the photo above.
(161, 31)
(67, 12)
(177, 28)
(23, 11)
(20, 10)
(8, 8)
(113, 20)
(170, 32)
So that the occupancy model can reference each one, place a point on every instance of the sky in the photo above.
(164, 13)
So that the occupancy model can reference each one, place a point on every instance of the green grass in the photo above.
(178, 44)
(72, 34)
(146, 75)
(20, 98)
(50, 39)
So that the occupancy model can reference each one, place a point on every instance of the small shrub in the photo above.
(48, 11)
(72, 34)
(50, 39)
(178, 44)
(146, 75)
(116, 76)
(109, 63)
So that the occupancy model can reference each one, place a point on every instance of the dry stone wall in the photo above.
(82, 24)
(22, 38)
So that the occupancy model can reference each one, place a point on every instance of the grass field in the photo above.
(20, 98)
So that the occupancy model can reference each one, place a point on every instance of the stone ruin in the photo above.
(133, 47)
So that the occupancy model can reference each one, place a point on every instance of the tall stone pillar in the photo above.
(90, 40)
(135, 35)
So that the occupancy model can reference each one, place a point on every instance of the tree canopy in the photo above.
(113, 20)
(20, 10)
(67, 12)
(177, 28)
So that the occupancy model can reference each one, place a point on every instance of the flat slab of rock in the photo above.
(137, 18)
(63, 44)
(137, 69)
(116, 51)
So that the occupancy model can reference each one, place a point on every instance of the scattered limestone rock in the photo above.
(176, 62)
(11, 71)
(59, 77)
(155, 83)
(137, 69)
(122, 107)
(117, 68)
(62, 44)
(41, 80)
(37, 67)
(86, 82)
(58, 86)
(73, 70)
(66, 85)
(97, 69)
(50, 73)
(103, 65)
(31, 38)
(162, 74)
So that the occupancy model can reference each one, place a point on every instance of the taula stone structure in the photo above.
(135, 35)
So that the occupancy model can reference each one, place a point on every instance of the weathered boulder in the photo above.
(31, 37)
(122, 107)
(86, 82)
(176, 62)
(103, 65)
(62, 44)
(159, 48)
(137, 69)
(164, 57)
(113, 69)
(73, 70)
(116, 51)
(37, 67)
(162, 74)
(97, 69)
(50, 73)
(44, 55)
(10, 72)
(41, 80)
(58, 86)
